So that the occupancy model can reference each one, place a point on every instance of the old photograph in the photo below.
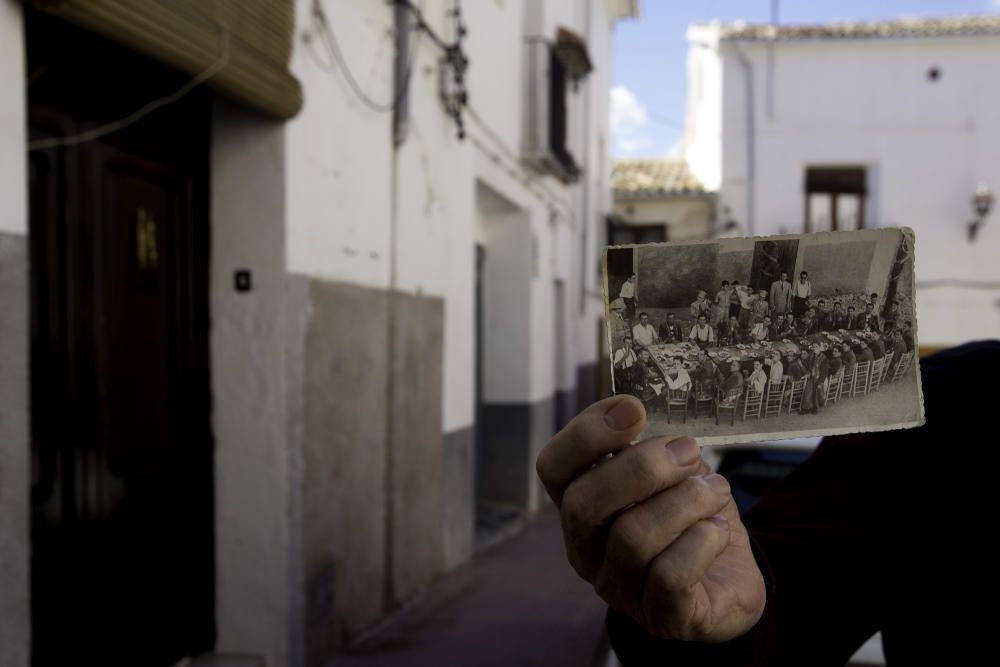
(751, 339)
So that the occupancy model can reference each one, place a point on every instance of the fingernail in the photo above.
(625, 413)
(684, 450)
(720, 521)
(718, 483)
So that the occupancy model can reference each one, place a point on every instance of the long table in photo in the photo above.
(746, 354)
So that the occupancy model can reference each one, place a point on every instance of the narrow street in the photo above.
(518, 603)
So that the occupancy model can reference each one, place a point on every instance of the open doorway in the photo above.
(122, 467)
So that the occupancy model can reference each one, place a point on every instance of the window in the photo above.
(834, 199)
(622, 234)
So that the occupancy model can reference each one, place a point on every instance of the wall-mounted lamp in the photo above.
(982, 203)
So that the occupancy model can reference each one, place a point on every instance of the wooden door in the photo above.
(122, 539)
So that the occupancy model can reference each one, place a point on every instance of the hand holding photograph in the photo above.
(769, 338)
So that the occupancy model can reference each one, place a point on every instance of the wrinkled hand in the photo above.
(657, 534)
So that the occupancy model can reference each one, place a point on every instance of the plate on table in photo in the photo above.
(775, 275)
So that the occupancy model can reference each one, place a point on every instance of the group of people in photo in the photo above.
(741, 341)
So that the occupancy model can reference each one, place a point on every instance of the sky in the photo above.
(648, 78)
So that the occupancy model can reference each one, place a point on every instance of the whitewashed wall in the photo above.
(925, 146)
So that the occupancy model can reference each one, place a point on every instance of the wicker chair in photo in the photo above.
(835, 386)
(730, 401)
(903, 366)
(860, 387)
(677, 400)
(774, 397)
(886, 367)
(752, 403)
(875, 378)
(703, 399)
(795, 391)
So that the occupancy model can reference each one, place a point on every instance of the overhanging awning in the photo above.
(190, 36)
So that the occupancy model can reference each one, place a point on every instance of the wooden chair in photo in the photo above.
(703, 400)
(752, 403)
(774, 397)
(875, 377)
(793, 402)
(847, 383)
(861, 373)
(727, 401)
(677, 401)
(835, 387)
(886, 367)
(902, 366)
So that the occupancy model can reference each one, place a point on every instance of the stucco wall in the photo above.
(923, 143)
(252, 482)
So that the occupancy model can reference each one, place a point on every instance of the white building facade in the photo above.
(401, 310)
(813, 128)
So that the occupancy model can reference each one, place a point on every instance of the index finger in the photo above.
(604, 427)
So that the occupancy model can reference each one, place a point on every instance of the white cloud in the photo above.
(629, 123)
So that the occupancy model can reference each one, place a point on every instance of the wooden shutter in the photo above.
(188, 35)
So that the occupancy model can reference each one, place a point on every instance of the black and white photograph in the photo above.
(770, 338)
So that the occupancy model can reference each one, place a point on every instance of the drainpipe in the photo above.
(751, 134)
(588, 99)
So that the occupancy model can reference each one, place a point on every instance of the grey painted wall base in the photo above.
(459, 521)
(565, 407)
(512, 436)
(15, 630)
(376, 471)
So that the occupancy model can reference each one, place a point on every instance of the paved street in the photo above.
(516, 604)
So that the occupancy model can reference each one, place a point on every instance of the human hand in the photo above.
(657, 534)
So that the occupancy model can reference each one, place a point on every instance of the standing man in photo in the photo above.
(800, 294)
(781, 296)
(627, 295)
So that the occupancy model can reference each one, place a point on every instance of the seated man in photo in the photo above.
(647, 382)
(855, 320)
(643, 333)
(758, 378)
(794, 368)
(707, 376)
(865, 354)
(836, 361)
(729, 333)
(891, 320)
(732, 386)
(789, 329)
(677, 376)
(838, 318)
(898, 348)
(808, 324)
(670, 330)
(776, 369)
(824, 315)
(623, 360)
(760, 330)
(877, 346)
(908, 335)
(849, 358)
(871, 320)
(702, 334)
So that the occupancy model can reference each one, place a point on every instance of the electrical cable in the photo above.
(329, 39)
(141, 112)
